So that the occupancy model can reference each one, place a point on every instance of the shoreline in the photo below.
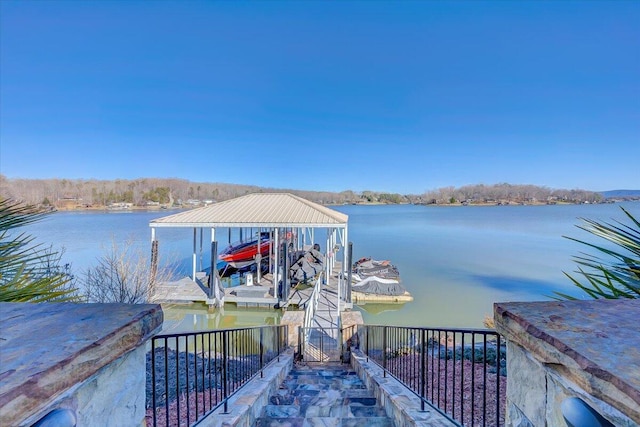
(101, 208)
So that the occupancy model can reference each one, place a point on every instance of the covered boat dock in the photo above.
(293, 223)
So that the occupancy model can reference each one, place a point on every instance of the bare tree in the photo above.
(100, 193)
(123, 274)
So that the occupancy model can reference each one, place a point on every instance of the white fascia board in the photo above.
(242, 225)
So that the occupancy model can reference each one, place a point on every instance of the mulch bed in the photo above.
(463, 389)
(184, 411)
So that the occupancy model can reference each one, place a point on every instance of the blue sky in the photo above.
(403, 97)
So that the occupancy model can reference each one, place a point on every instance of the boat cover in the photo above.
(379, 286)
(366, 267)
(307, 267)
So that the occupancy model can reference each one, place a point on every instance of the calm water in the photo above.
(456, 261)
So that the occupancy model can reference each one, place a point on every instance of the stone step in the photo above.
(324, 422)
(323, 395)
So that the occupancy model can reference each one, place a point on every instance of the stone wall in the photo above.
(401, 404)
(113, 396)
(584, 349)
(294, 320)
(86, 359)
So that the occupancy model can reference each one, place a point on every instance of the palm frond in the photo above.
(28, 272)
(615, 271)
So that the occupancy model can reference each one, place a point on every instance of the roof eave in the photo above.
(243, 224)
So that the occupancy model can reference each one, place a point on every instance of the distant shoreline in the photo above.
(170, 193)
(173, 208)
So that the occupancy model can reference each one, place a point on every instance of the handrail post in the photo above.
(384, 351)
(277, 346)
(341, 345)
(498, 367)
(225, 368)
(423, 370)
(153, 378)
(261, 355)
(367, 340)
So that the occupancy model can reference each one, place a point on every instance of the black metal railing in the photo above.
(189, 375)
(460, 372)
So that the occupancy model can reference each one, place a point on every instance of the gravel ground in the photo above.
(191, 383)
(456, 386)
(197, 372)
(178, 414)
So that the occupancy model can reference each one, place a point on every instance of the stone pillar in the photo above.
(562, 349)
(87, 360)
(350, 320)
(293, 319)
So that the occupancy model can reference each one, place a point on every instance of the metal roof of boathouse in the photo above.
(257, 210)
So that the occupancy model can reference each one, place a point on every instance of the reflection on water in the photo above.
(377, 308)
(197, 317)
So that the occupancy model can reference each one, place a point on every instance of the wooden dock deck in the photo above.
(183, 291)
(260, 294)
(187, 291)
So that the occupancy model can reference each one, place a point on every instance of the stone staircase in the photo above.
(328, 394)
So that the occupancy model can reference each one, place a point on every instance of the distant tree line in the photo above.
(140, 192)
(508, 193)
(87, 193)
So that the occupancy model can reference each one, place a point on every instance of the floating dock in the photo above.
(262, 294)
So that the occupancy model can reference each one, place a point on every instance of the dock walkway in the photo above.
(260, 294)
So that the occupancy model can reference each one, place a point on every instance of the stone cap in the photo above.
(48, 348)
(597, 341)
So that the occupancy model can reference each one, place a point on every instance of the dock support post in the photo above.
(258, 256)
(195, 255)
(271, 256)
(349, 263)
(201, 243)
(327, 261)
(276, 254)
(285, 274)
(212, 274)
(154, 263)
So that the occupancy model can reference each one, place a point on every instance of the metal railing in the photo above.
(312, 305)
(189, 375)
(460, 372)
(327, 344)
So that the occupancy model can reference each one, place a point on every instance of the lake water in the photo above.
(455, 261)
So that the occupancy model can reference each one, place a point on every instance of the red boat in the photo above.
(241, 252)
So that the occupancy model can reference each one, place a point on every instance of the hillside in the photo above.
(621, 194)
(171, 192)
